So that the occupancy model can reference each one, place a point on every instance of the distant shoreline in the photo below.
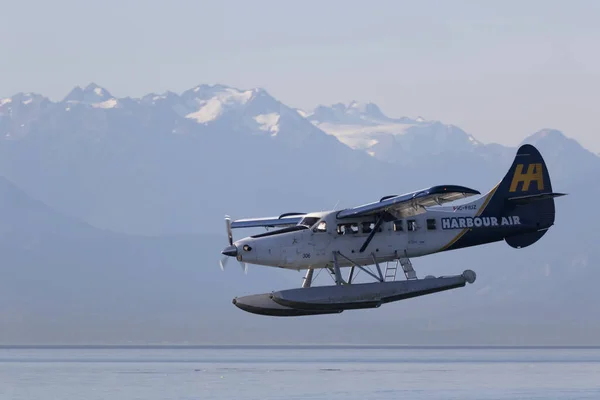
(286, 346)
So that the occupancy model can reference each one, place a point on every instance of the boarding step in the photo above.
(390, 271)
(408, 269)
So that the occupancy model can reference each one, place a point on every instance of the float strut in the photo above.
(336, 269)
(307, 281)
(366, 271)
(351, 275)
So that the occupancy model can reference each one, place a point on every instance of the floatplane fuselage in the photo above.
(519, 209)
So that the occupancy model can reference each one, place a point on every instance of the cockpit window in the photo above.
(308, 221)
(322, 227)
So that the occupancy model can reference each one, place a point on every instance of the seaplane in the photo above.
(519, 210)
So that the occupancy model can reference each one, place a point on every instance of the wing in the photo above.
(405, 205)
(288, 219)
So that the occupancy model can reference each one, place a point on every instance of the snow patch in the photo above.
(357, 106)
(5, 101)
(361, 137)
(268, 123)
(302, 113)
(474, 141)
(372, 142)
(157, 98)
(210, 111)
(214, 107)
(110, 103)
(28, 101)
(99, 91)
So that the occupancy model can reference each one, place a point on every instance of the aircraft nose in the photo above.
(230, 251)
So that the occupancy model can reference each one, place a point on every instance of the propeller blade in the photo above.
(223, 262)
(244, 267)
(228, 227)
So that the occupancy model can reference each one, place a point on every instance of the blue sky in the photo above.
(498, 69)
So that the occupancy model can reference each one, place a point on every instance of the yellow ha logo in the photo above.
(533, 174)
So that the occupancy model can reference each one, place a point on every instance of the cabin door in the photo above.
(415, 235)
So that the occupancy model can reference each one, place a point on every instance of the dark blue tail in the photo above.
(525, 192)
(519, 210)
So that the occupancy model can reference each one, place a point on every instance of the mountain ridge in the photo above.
(205, 109)
(359, 112)
(121, 167)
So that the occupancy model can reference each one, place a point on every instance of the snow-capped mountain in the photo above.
(253, 112)
(122, 167)
(355, 113)
(92, 95)
(204, 108)
(555, 146)
(365, 127)
(18, 112)
(165, 149)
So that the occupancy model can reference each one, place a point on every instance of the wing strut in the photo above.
(370, 237)
(381, 278)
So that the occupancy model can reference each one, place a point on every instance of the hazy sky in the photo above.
(498, 69)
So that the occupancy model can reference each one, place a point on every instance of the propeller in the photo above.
(228, 227)
(225, 258)
(230, 251)
(223, 262)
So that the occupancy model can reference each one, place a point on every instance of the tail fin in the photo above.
(525, 191)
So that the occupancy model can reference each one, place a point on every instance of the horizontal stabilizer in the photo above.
(533, 197)
(525, 239)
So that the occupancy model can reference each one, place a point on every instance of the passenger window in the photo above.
(367, 227)
(346, 229)
(411, 225)
(322, 226)
(431, 224)
(398, 226)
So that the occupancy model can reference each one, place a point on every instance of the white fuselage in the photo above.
(429, 232)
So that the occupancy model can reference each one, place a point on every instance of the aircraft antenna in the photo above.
(336, 204)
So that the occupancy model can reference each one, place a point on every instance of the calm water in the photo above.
(299, 373)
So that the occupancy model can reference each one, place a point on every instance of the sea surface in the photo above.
(311, 372)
